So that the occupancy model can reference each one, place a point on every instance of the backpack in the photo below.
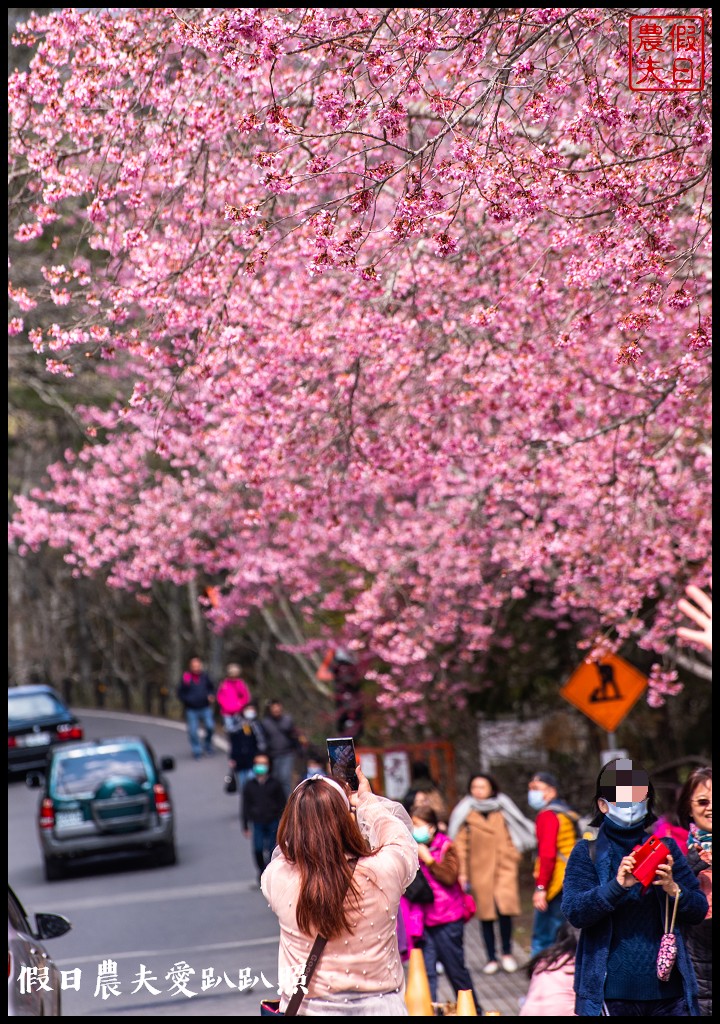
(569, 834)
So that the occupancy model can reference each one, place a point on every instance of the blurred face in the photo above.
(261, 766)
(276, 710)
(548, 792)
(196, 666)
(423, 831)
(701, 805)
(480, 788)
(630, 794)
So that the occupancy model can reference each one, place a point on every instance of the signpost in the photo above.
(605, 690)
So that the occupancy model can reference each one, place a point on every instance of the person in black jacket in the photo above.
(196, 693)
(695, 813)
(262, 804)
(245, 742)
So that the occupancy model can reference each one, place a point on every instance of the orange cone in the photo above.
(466, 1003)
(417, 991)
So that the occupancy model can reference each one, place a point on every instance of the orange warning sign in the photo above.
(605, 690)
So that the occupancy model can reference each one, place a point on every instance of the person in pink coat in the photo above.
(552, 971)
(232, 696)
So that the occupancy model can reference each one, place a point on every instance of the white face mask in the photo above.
(627, 814)
(249, 714)
(536, 799)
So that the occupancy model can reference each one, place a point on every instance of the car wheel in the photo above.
(53, 870)
(166, 856)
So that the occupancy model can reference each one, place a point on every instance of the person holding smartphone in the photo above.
(313, 888)
(622, 921)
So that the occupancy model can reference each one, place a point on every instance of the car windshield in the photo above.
(25, 706)
(84, 773)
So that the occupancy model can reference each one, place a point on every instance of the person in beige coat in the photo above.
(491, 834)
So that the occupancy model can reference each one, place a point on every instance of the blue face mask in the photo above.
(421, 835)
(536, 799)
(260, 769)
(627, 814)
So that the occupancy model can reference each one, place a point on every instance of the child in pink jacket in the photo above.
(552, 973)
(444, 918)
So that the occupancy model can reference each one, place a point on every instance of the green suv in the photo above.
(104, 797)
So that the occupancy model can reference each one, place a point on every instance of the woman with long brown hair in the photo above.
(341, 865)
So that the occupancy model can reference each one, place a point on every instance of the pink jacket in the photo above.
(232, 696)
(448, 904)
(367, 959)
(550, 993)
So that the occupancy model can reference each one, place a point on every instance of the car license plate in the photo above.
(34, 739)
(66, 819)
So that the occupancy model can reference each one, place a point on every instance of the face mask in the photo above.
(627, 814)
(536, 799)
(421, 835)
(260, 769)
(250, 715)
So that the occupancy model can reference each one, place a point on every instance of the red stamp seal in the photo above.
(666, 53)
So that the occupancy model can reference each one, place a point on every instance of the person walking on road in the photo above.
(196, 693)
(283, 742)
(556, 828)
(245, 742)
(262, 803)
(491, 834)
(232, 696)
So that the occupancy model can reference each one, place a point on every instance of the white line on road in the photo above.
(135, 953)
(179, 892)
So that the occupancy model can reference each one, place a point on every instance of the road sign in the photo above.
(605, 690)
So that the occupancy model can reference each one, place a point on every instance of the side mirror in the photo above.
(50, 926)
(167, 764)
(33, 780)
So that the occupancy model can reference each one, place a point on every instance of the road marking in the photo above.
(154, 953)
(179, 892)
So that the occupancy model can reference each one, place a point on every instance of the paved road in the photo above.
(205, 911)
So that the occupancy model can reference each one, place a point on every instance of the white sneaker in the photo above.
(491, 967)
(509, 963)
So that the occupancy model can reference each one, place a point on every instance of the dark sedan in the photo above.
(38, 719)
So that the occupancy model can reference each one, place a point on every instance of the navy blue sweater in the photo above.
(621, 928)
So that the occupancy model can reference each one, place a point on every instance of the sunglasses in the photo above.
(702, 802)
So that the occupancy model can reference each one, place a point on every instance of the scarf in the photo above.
(701, 838)
(521, 829)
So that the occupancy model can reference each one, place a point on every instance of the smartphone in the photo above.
(341, 755)
(648, 859)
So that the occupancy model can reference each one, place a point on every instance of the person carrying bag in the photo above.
(271, 1007)
(342, 862)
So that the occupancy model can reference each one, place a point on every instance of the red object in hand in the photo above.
(648, 859)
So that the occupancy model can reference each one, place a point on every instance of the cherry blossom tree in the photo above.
(406, 312)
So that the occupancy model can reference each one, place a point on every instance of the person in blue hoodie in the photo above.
(621, 923)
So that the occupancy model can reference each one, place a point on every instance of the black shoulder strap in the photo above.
(311, 963)
(592, 849)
